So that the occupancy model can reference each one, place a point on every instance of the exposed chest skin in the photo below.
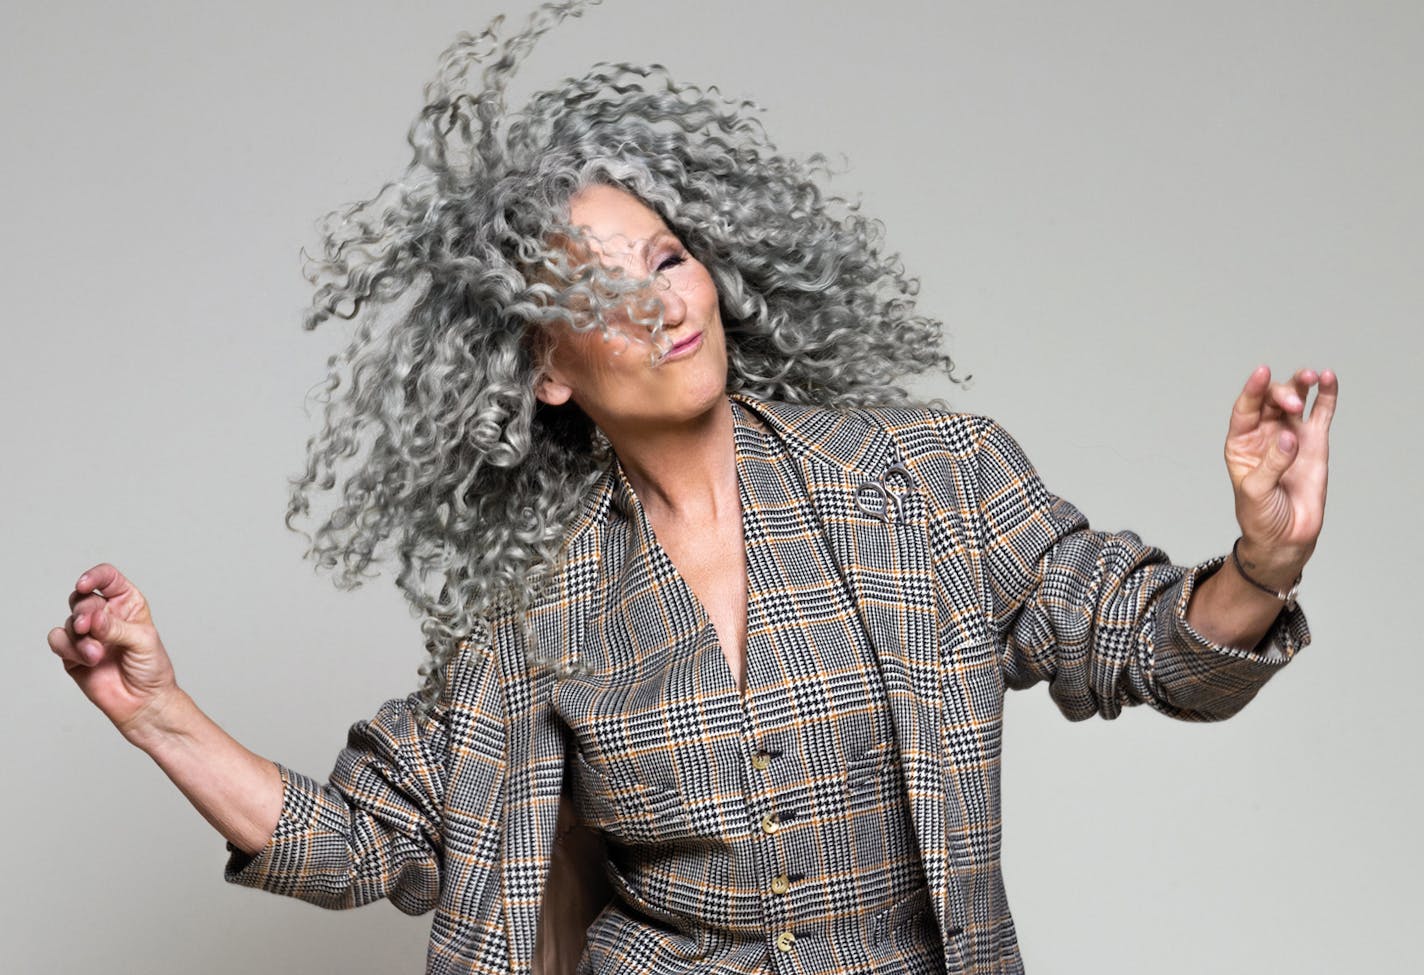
(712, 560)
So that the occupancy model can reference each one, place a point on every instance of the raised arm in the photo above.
(112, 650)
(1103, 616)
(374, 831)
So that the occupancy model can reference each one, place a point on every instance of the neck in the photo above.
(685, 471)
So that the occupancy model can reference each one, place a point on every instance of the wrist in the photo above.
(167, 718)
(1278, 567)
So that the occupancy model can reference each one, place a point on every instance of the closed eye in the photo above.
(672, 261)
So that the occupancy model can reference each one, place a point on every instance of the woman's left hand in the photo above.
(1278, 460)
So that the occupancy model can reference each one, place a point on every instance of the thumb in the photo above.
(1267, 474)
(112, 631)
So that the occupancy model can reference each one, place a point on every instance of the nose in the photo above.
(674, 307)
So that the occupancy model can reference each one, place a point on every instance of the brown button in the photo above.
(780, 884)
(760, 761)
(785, 940)
(770, 824)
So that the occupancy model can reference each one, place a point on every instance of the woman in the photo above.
(710, 585)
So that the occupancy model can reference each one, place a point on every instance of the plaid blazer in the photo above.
(970, 576)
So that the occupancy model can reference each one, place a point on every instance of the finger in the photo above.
(1323, 410)
(63, 647)
(1267, 475)
(77, 595)
(88, 649)
(1246, 411)
(1301, 382)
(106, 579)
(111, 631)
(83, 610)
(1284, 396)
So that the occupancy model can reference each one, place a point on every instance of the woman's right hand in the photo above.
(111, 649)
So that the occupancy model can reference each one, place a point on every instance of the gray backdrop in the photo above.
(1119, 208)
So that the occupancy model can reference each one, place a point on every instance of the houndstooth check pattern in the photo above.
(665, 746)
(977, 579)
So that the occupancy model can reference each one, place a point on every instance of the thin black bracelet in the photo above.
(1287, 597)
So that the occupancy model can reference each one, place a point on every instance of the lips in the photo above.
(686, 345)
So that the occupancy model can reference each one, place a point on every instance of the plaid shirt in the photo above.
(747, 834)
(969, 577)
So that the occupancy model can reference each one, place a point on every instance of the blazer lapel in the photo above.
(534, 737)
(887, 564)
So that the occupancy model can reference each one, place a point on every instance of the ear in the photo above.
(550, 386)
(550, 389)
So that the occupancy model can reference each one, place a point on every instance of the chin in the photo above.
(692, 401)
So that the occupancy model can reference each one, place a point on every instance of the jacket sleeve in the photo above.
(373, 831)
(1100, 615)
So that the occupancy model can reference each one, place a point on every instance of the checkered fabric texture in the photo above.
(969, 577)
(765, 833)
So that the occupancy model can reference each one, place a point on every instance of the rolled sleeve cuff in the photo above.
(1288, 633)
(281, 864)
(1207, 678)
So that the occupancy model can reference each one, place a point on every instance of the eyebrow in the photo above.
(644, 248)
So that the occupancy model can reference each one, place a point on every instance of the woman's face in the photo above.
(614, 379)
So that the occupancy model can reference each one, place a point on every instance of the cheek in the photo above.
(602, 360)
(713, 296)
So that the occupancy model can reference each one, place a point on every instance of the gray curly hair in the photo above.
(451, 460)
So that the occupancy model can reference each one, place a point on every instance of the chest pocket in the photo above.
(870, 775)
(628, 812)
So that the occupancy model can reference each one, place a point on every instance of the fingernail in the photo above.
(79, 621)
(82, 579)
